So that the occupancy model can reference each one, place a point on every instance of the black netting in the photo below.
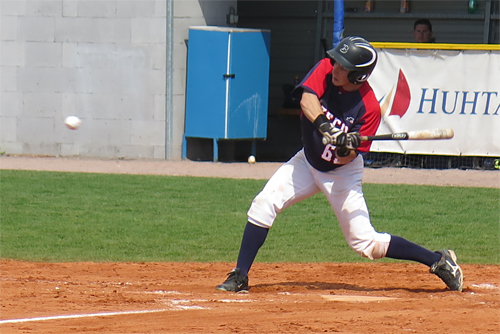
(377, 160)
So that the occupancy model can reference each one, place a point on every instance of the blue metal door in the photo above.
(206, 86)
(248, 84)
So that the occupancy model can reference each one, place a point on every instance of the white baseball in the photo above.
(72, 122)
(251, 159)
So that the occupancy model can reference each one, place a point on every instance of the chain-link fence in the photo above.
(377, 160)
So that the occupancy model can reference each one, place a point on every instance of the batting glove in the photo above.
(353, 140)
(343, 151)
(331, 135)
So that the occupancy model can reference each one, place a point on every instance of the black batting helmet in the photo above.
(357, 55)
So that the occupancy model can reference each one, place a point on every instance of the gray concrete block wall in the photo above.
(99, 60)
(104, 61)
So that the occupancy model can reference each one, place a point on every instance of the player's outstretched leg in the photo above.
(253, 238)
(443, 263)
(235, 282)
(448, 270)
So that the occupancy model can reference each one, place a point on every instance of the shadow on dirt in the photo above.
(322, 286)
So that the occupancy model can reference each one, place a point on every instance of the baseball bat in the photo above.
(410, 135)
(413, 135)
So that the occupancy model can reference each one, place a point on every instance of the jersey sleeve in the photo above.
(314, 81)
(370, 121)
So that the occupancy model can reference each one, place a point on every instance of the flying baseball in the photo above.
(72, 122)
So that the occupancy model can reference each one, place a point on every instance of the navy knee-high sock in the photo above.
(403, 249)
(253, 238)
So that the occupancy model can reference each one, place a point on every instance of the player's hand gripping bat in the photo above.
(410, 135)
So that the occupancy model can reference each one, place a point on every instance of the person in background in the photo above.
(422, 31)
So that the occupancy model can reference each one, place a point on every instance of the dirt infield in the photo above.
(447, 177)
(284, 297)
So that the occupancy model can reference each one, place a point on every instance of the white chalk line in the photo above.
(176, 304)
(75, 316)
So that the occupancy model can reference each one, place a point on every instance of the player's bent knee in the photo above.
(375, 248)
(263, 212)
(378, 250)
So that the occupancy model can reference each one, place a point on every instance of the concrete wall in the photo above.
(104, 61)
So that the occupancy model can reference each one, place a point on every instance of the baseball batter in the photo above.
(339, 104)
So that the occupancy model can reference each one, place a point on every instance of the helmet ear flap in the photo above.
(356, 78)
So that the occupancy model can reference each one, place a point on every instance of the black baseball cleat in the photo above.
(235, 282)
(448, 270)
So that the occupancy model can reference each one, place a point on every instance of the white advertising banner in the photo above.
(439, 89)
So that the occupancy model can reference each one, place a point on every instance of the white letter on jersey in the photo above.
(328, 152)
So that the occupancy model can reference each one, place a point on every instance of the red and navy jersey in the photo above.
(357, 111)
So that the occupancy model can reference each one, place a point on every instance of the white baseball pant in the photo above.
(297, 180)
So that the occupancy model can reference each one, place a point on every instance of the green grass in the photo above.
(52, 216)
